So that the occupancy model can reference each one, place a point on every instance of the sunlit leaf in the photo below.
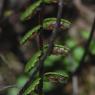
(33, 60)
(32, 86)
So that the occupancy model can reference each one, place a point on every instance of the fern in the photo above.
(30, 10)
(50, 1)
(31, 63)
(65, 22)
(33, 7)
(29, 34)
(56, 77)
(32, 86)
(58, 49)
(60, 77)
(56, 74)
(46, 23)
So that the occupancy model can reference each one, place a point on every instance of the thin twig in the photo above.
(82, 64)
(49, 50)
(75, 85)
(7, 87)
(82, 61)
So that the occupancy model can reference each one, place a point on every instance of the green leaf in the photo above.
(50, 1)
(46, 23)
(21, 81)
(92, 47)
(64, 22)
(70, 64)
(34, 93)
(85, 34)
(71, 43)
(30, 10)
(60, 77)
(59, 49)
(33, 60)
(29, 34)
(56, 74)
(32, 86)
(51, 59)
(47, 86)
(62, 50)
(78, 52)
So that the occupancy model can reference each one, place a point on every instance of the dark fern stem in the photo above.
(49, 49)
(41, 67)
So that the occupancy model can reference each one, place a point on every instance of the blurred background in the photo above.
(13, 56)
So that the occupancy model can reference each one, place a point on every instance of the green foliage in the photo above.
(92, 47)
(29, 34)
(21, 81)
(78, 52)
(64, 22)
(60, 77)
(71, 43)
(85, 34)
(57, 53)
(33, 60)
(50, 60)
(30, 10)
(70, 64)
(48, 1)
(59, 49)
(32, 86)
(62, 50)
(47, 86)
(13, 91)
(56, 74)
(46, 23)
